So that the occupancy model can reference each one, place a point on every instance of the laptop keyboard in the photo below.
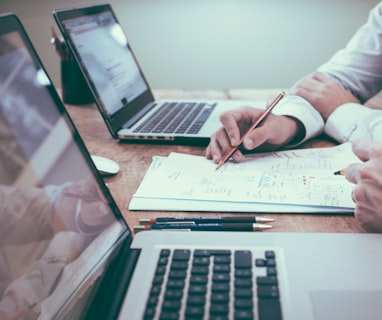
(214, 284)
(185, 117)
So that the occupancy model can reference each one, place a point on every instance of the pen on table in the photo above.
(256, 124)
(198, 220)
(340, 172)
(205, 227)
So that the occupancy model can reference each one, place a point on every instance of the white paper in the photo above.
(299, 180)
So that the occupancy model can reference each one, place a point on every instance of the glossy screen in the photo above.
(56, 222)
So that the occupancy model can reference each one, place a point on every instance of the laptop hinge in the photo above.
(112, 288)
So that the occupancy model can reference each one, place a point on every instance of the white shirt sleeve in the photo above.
(358, 67)
(299, 108)
(351, 121)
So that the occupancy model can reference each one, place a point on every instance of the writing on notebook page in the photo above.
(299, 177)
(308, 182)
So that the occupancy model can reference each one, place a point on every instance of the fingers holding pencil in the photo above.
(237, 130)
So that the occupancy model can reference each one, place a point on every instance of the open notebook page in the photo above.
(299, 180)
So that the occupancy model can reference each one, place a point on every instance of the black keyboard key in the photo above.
(271, 271)
(177, 274)
(194, 312)
(201, 270)
(220, 287)
(175, 284)
(196, 299)
(181, 255)
(222, 268)
(220, 298)
(269, 254)
(155, 290)
(201, 261)
(173, 294)
(165, 253)
(266, 281)
(171, 305)
(242, 283)
(269, 309)
(199, 279)
(169, 316)
(243, 314)
(271, 292)
(243, 273)
(220, 277)
(180, 265)
(223, 259)
(217, 308)
(243, 259)
(243, 293)
(243, 304)
(197, 289)
(260, 263)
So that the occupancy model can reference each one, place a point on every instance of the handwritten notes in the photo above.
(292, 181)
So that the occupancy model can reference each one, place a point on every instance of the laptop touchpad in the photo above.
(349, 305)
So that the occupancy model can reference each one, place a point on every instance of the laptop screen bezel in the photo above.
(118, 119)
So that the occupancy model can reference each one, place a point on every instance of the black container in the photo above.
(75, 89)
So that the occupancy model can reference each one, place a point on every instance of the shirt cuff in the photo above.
(302, 110)
(351, 121)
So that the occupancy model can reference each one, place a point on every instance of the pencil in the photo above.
(256, 124)
(340, 172)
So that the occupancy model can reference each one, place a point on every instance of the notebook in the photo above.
(120, 89)
(67, 253)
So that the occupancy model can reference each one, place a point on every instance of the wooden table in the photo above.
(135, 158)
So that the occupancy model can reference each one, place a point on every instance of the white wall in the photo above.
(196, 44)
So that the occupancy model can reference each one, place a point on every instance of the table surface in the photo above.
(135, 158)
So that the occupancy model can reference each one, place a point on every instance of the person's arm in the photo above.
(367, 177)
(352, 121)
(358, 67)
(292, 121)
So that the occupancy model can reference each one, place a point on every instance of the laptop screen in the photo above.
(103, 48)
(58, 223)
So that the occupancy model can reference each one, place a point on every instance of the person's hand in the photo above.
(323, 93)
(367, 176)
(273, 133)
(82, 207)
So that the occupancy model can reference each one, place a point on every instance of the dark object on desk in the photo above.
(75, 89)
(205, 227)
(198, 220)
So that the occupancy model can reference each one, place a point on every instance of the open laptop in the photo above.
(120, 89)
(67, 253)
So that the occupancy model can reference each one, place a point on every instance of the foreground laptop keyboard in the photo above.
(186, 117)
(214, 284)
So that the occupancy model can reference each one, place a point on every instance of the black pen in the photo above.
(198, 220)
(205, 227)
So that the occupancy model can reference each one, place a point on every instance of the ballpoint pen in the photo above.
(198, 220)
(205, 227)
(256, 124)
